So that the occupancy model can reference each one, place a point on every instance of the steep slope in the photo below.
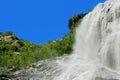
(96, 52)
(16, 53)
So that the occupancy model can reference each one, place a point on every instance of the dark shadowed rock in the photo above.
(74, 19)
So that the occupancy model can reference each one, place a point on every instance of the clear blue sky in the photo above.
(40, 20)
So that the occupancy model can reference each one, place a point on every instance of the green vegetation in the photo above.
(15, 52)
(20, 53)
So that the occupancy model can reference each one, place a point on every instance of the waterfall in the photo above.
(96, 52)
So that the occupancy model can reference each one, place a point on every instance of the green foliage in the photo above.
(64, 45)
(21, 53)
(7, 33)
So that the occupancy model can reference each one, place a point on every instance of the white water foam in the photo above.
(96, 52)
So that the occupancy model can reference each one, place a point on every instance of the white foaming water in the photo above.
(96, 52)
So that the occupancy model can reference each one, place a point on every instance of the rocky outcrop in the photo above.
(75, 19)
(7, 36)
(11, 39)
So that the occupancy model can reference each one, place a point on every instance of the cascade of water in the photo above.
(96, 54)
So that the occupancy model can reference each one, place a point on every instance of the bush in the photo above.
(29, 52)
(7, 33)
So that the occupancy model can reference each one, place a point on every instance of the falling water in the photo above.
(96, 52)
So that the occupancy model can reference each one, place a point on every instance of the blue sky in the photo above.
(40, 20)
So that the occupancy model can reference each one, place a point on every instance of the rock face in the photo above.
(75, 19)
(8, 38)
